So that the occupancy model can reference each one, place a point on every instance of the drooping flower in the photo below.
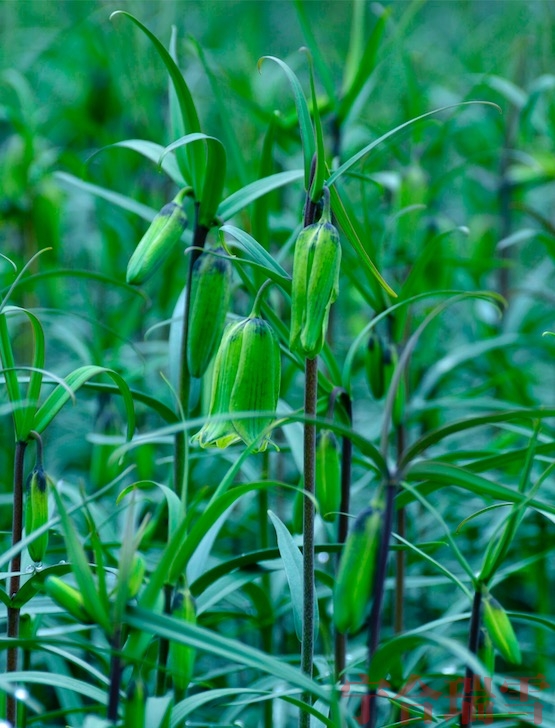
(246, 382)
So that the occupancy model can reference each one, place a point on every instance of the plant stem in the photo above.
(115, 677)
(342, 529)
(400, 555)
(473, 640)
(307, 647)
(378, 592)
(266, 629)
(15, 568)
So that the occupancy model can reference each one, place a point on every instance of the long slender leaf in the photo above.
(346, 166)
(74, 381)
(303, 115)
(191, 124)
(293, 565)
(251, 192)
(151, 151)
(230, 650)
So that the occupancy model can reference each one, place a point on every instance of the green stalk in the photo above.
(340, 640)
(473, 639)
(15, 568)
(307, 645)
(115, 677)
(266, 630)
(400, 555)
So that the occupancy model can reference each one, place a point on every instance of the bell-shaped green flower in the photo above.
(246, 380)
(315, 285)
(210, 294)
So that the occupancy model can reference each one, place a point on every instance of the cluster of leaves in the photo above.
(448, 259)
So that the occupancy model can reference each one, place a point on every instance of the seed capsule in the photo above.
(315, 284)
(36, 512)
(68, 598)
(501, 630)
(181, 659)
(328, 475)
(210, 294)
(355, 576)
(374, 365)
(246, 379)
(158, 241)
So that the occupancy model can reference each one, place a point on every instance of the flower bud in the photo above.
(328, 475)
(36, 512)
(374, 365)
(68, 598)
(246, 379)
(315, 285)
(158, 241)
(210, 294)
(181, 659)
(355, 576)
(501, 630)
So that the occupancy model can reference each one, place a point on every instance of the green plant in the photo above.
(367, 260)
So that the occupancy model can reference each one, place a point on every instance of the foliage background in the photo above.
(73, 82)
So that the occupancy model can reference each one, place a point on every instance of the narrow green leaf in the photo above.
(347, 226)
(214, 180)
(303, 115)
(214, 176)
(10, 374)
(259, 255)
(229, 136)
(151, 151)
(126, 203)
(346, 166)
(81, 569)
(191, 124)
(441, 474)
(58, 681)
(360, 65)
(293, 566)
(173, 502)
(251, 192)
(227, 649)
(322, 69)
(469, 423)
(56, 400)
(317, 186)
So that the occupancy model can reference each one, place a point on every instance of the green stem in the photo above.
(307, 646)
(115, 677)
(15, 579)
(343, 528)
(400, 555)
(266, 631)
(473, 640)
